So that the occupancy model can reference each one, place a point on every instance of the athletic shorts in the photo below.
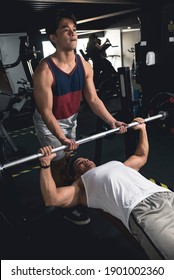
(45, 137)
(152, 224)
(51, 140)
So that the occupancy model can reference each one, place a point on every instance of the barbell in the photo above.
(162, 115)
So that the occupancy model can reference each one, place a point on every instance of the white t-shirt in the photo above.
(117, 189)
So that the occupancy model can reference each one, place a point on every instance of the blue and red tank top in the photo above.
(67, 89)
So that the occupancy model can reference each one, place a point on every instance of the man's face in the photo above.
(66, 35)
(82, 165)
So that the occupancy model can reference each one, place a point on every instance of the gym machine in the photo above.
(21, 104)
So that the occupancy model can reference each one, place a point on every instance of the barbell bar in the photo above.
(162, 115)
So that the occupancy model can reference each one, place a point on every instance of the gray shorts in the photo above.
(51, 140)
(46, 138)
(152, 224)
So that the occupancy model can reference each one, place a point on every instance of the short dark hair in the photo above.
(70, 167)
(54, 23)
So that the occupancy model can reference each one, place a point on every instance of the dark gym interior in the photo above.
(29, 230)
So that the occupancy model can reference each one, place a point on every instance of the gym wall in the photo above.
(157, 36)
(9, 52)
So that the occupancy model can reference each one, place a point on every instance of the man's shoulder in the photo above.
(87, 66)
(42, 66)
(42, 73)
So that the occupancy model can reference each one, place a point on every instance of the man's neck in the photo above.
(64, 60)
(64, 56)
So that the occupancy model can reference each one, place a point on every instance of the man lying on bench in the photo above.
(146, 209)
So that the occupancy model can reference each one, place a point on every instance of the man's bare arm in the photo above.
(43, 80)
(66, 196)
(95, 103)
(139, 158)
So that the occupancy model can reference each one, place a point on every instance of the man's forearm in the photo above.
(53, 125)
(48, 186)
(142, 149)
(100, 110)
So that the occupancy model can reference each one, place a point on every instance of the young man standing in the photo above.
(60, 81)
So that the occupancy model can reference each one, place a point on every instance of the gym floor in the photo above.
(43, 233)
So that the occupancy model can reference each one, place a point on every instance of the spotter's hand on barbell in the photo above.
(162, 115)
